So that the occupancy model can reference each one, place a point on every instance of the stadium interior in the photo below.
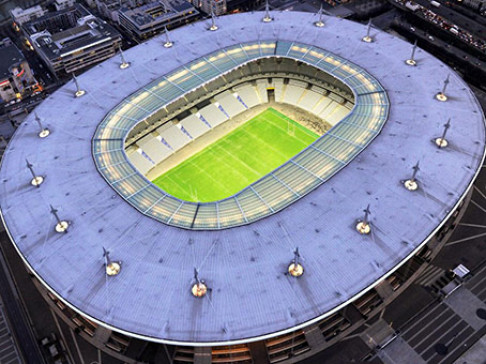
(172, 134)
(142, 113)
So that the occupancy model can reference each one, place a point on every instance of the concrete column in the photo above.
(202, 355)
(384, 289)
(314, 336)
(101, 336)
(258, 352)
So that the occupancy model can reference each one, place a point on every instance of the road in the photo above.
(17, 317)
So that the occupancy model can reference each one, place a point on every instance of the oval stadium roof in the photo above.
(251, 297)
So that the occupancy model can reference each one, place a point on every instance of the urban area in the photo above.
(431, 309)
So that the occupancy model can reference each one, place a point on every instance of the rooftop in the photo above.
(10, 56)
(18, 11)
(157, 11)
(250, 296)
(55, 40)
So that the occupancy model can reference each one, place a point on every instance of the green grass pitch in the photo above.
(238, 159)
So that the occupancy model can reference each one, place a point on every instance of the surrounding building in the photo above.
(21, 16)
(109, 8)
(221, 7)
(16, 78)
(63, 4)
(478, 5)
(146, 20)
(71, 39)
(233, 6)
(217, 6)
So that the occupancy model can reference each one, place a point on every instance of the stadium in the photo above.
(258, 183)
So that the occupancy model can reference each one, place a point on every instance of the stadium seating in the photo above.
(213, 115)
(319, 90)
(222, 95)
(139, 161)
(321, 105)
(279, 86)
(276, 190)
(327, 105)
(309, 100)
(337, 115)
(262, 90)
(293, 94)
(174, 137)
(348, 105)
(194, 125)
(335, 97)
(329, 110)
(154, 148)
(231, 104)
(248, 94)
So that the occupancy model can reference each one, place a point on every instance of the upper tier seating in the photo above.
(328, 106)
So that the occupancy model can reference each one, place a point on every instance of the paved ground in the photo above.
(14, 310)
(8, 350)
(475, 355)
(43, 322)
(442, 332)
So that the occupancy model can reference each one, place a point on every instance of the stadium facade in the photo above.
(92, 196)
